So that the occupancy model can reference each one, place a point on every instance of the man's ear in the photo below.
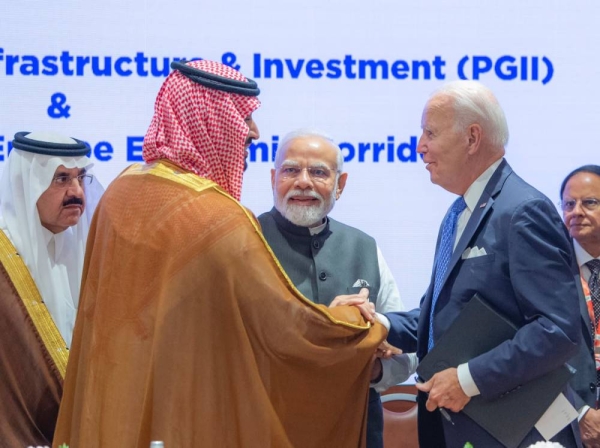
(340, 185)
(474, 135)
(273, 178)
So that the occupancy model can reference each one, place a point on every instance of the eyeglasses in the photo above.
(65, 181)
(316, 173)
(589, 204)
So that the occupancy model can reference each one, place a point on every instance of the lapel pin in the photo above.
(482, 205)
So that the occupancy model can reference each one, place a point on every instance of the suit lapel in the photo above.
(483, 207)
(585, 315)
(583, 307)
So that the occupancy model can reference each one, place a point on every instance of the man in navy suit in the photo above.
(580, 203)
(507, 243)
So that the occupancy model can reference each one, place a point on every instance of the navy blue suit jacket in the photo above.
(584, 380)
(527, 275)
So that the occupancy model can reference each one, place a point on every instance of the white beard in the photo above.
(303, 215)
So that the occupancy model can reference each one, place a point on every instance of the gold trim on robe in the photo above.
(188, 331)
(169, 171)
(28, 292)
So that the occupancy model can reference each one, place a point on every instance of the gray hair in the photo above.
(309, 132)
(475, 103)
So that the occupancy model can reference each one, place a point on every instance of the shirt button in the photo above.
(323, 276)
(316, 244)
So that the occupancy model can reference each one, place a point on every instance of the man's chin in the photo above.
(302, 223)
(304, 216)
(69, 222)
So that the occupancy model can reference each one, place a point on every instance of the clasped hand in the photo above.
(367, 310)
(360, 301)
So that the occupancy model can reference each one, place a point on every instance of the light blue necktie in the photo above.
(443, 257)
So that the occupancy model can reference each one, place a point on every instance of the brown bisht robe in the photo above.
(33, 357)
(189, 331)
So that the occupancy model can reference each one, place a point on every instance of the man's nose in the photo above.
(578, 209)
(254, 132)
(75, 188)
(421, 146)
(304, 180)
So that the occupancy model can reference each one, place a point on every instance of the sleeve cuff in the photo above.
(582, 412)
(466, 380)
(396, 370)
(383, 320)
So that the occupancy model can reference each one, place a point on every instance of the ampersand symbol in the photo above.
(229, 59)
(58, 107)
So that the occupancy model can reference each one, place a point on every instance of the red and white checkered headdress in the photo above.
(201, 128)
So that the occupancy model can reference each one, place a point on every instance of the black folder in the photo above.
(476, 330)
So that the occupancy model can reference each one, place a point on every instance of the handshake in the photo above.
(400, 366)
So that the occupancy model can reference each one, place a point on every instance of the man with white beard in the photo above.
(330, 262)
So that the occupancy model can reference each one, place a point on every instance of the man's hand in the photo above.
(444, 391)
(387, 350)
(360, 300)
(590, 428)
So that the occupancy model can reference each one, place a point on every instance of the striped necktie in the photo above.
(594, 284)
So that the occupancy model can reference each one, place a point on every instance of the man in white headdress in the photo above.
(47, 198)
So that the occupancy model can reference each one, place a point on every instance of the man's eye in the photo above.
(288, 170)
(590, 202)
(319, 172)
(61, 179)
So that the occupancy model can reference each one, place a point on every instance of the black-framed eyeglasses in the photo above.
(590, 204)
(65, 181)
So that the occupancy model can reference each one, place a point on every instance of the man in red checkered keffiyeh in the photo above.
(202, 129)
(189, 331)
